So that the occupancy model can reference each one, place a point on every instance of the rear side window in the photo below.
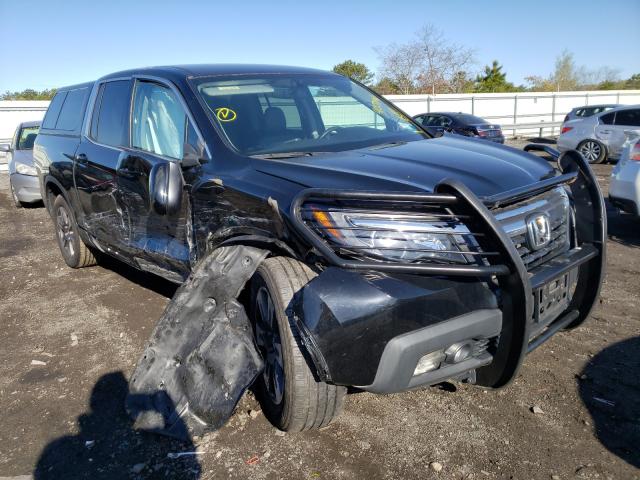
(628, 117)
(72, 112)
(607, 119)
(470, 119)
(110, 120)
(51, 117)
(431, 120)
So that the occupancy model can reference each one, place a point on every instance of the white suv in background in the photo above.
(624, 189)
(601, 136)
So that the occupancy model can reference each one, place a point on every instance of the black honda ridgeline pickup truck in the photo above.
(397, 259)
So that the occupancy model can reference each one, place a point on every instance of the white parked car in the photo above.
(600, 137)
(624, 189)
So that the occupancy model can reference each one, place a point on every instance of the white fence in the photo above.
(533, 109)
(507, 109)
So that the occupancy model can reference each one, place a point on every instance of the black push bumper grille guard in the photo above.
(515, 282)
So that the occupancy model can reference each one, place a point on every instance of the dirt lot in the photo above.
(88, 327)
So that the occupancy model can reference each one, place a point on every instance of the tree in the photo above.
(29, 94)
(633, 82)
(426, 63)
(386, 87)
(355, 70)
(401, 66)
(565, 75)
(442, 60)
(568, 76)
(493, 80)
(461, 83)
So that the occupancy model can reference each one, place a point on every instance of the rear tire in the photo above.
(592, 151)
(74, 251)
(291, 396)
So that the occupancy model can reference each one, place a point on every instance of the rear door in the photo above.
(95, 164)
(604, 127)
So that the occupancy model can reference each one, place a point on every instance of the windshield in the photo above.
(27, 137)
(292, 115)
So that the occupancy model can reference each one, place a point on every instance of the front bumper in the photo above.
(368, 324)
(567, 142)
(27, 187)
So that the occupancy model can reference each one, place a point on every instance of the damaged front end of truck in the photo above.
(488, 297)
(481, 297)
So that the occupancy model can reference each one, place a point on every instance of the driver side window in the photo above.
(159, 121)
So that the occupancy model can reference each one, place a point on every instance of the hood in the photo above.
(486, 168)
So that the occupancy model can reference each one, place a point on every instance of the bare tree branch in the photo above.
(427, 63)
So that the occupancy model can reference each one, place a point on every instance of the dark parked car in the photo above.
(437, 123)
(396, 260)
(23, 180)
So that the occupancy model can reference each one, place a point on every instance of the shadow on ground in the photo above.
(610, 388)
(108, 447)
(623, 228)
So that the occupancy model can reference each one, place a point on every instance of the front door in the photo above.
(626, 121)
(160, 132)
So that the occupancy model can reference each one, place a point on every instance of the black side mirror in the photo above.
(165, 188)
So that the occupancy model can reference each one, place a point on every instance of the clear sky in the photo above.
(52, 43)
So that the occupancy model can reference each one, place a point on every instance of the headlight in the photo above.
(25, 169)
(399, 238)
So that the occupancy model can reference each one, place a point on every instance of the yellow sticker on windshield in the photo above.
(225, 114)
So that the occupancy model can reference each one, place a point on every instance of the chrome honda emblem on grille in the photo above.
(538, 231)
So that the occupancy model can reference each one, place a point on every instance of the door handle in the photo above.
(130, 173)
(122, 168)
(605, 131)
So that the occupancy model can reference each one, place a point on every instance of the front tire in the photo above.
(14, 196)
(592, 151)
(75, 253)
(291, 397)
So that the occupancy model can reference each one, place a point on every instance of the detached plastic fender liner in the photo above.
(201, 355)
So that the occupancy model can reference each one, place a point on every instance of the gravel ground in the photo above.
(71, 338)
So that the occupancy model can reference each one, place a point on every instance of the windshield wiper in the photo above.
(388, 144)
(287, 154)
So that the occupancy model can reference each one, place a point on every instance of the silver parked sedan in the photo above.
(600, 137)
(23, 178)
